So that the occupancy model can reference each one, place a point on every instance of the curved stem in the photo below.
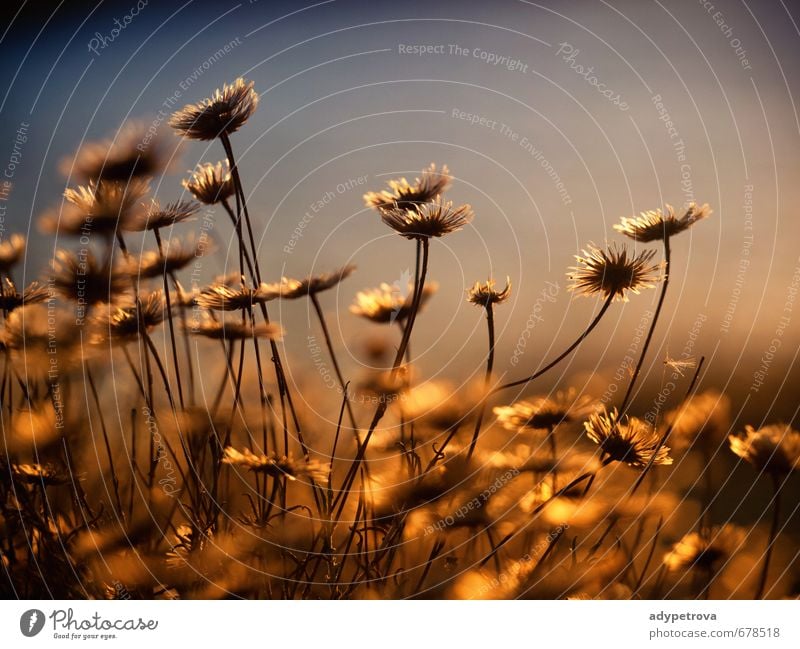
(487, 378)
(564, 354)
(773, 533)
(169, 320)
(629, 392)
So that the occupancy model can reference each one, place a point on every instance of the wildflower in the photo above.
(101, 206)
(235, 330)
(153, 263)
(276, 466)
(631, 441)
(158, 217)
(706, 549)
(427, 220)
(84, 279)
(133, 152)
(774, 449)
(612, 272)
(403, 195)
(123, 324)
(544, 413)
(223, 114)
(10, 299)
(486, 294)
(291, 289)
(654, 225)
(386, 304)
(223, 297)
(11, 251)
(211, 184)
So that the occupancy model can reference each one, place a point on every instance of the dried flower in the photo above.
(276, 466)
(101, 206)
(654, 225)
(211, 184)
(223, 114)
(544, 413)
(290, 289)
(224, 297)
(403, 195)
(134, 151)
(774, 449)
(706, 549)
(630, 440)
(123, 324)
(11, 250)
(87, 281)
(158, 217)
(427, 220)
(702, 419)
(177, 255)
(486, 294)
(10, 299)
(235, 330)
(387, 303)
(38, 474)
(612, 272)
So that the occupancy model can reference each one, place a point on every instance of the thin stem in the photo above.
(664, 285)
(487, 378)
(564, 354)
(169, 320)
(773, 533)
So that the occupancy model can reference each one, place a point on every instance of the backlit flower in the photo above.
(629, 440)
(223, 114)
(773, 449)
(434, 219)
(276, 466)
(544, 413)
(485, 294)
(388, 303)
(612, 272)
(404, 195)
(290, 289)
(654, 225)
(211, 183)
(707, 549)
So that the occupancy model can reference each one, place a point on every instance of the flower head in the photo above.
(404, 195)
(631, 440)
(158, 217)
(176, 255)
(223, 114)
(211, 183)
(11, 250)
(291, 289)
(612, 272)
(135, 151)
(487, 294)
(123, 324)
(103, 206)
(276, 466)
(388, 304)
(654, 225)
(235, 330)
(544, 413)
(774, 449)
(426, 220)
(224, 297)
(11, 299)
(38, 474)
(706, 549)
(703, 419)
(86, 280)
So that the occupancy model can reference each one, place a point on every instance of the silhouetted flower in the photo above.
(223, 114)
(235, 330)
(654, 225)
(773, 449)
(123, 324)
(134, 151)
(707, 549)
(10, 299)
(544, 413)
(484, 294)
(612, 272)
(388, 304)
(426, 220)
(84, 279)
(158, 217)
(290, 289)
(177, 255)
(211, 183)
(629, 440)
(276, 466)
(403, 195)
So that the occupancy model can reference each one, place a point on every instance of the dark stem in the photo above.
(564, 354)
(487, 379)
(169, 319)
(665, 284)
(773, 533)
